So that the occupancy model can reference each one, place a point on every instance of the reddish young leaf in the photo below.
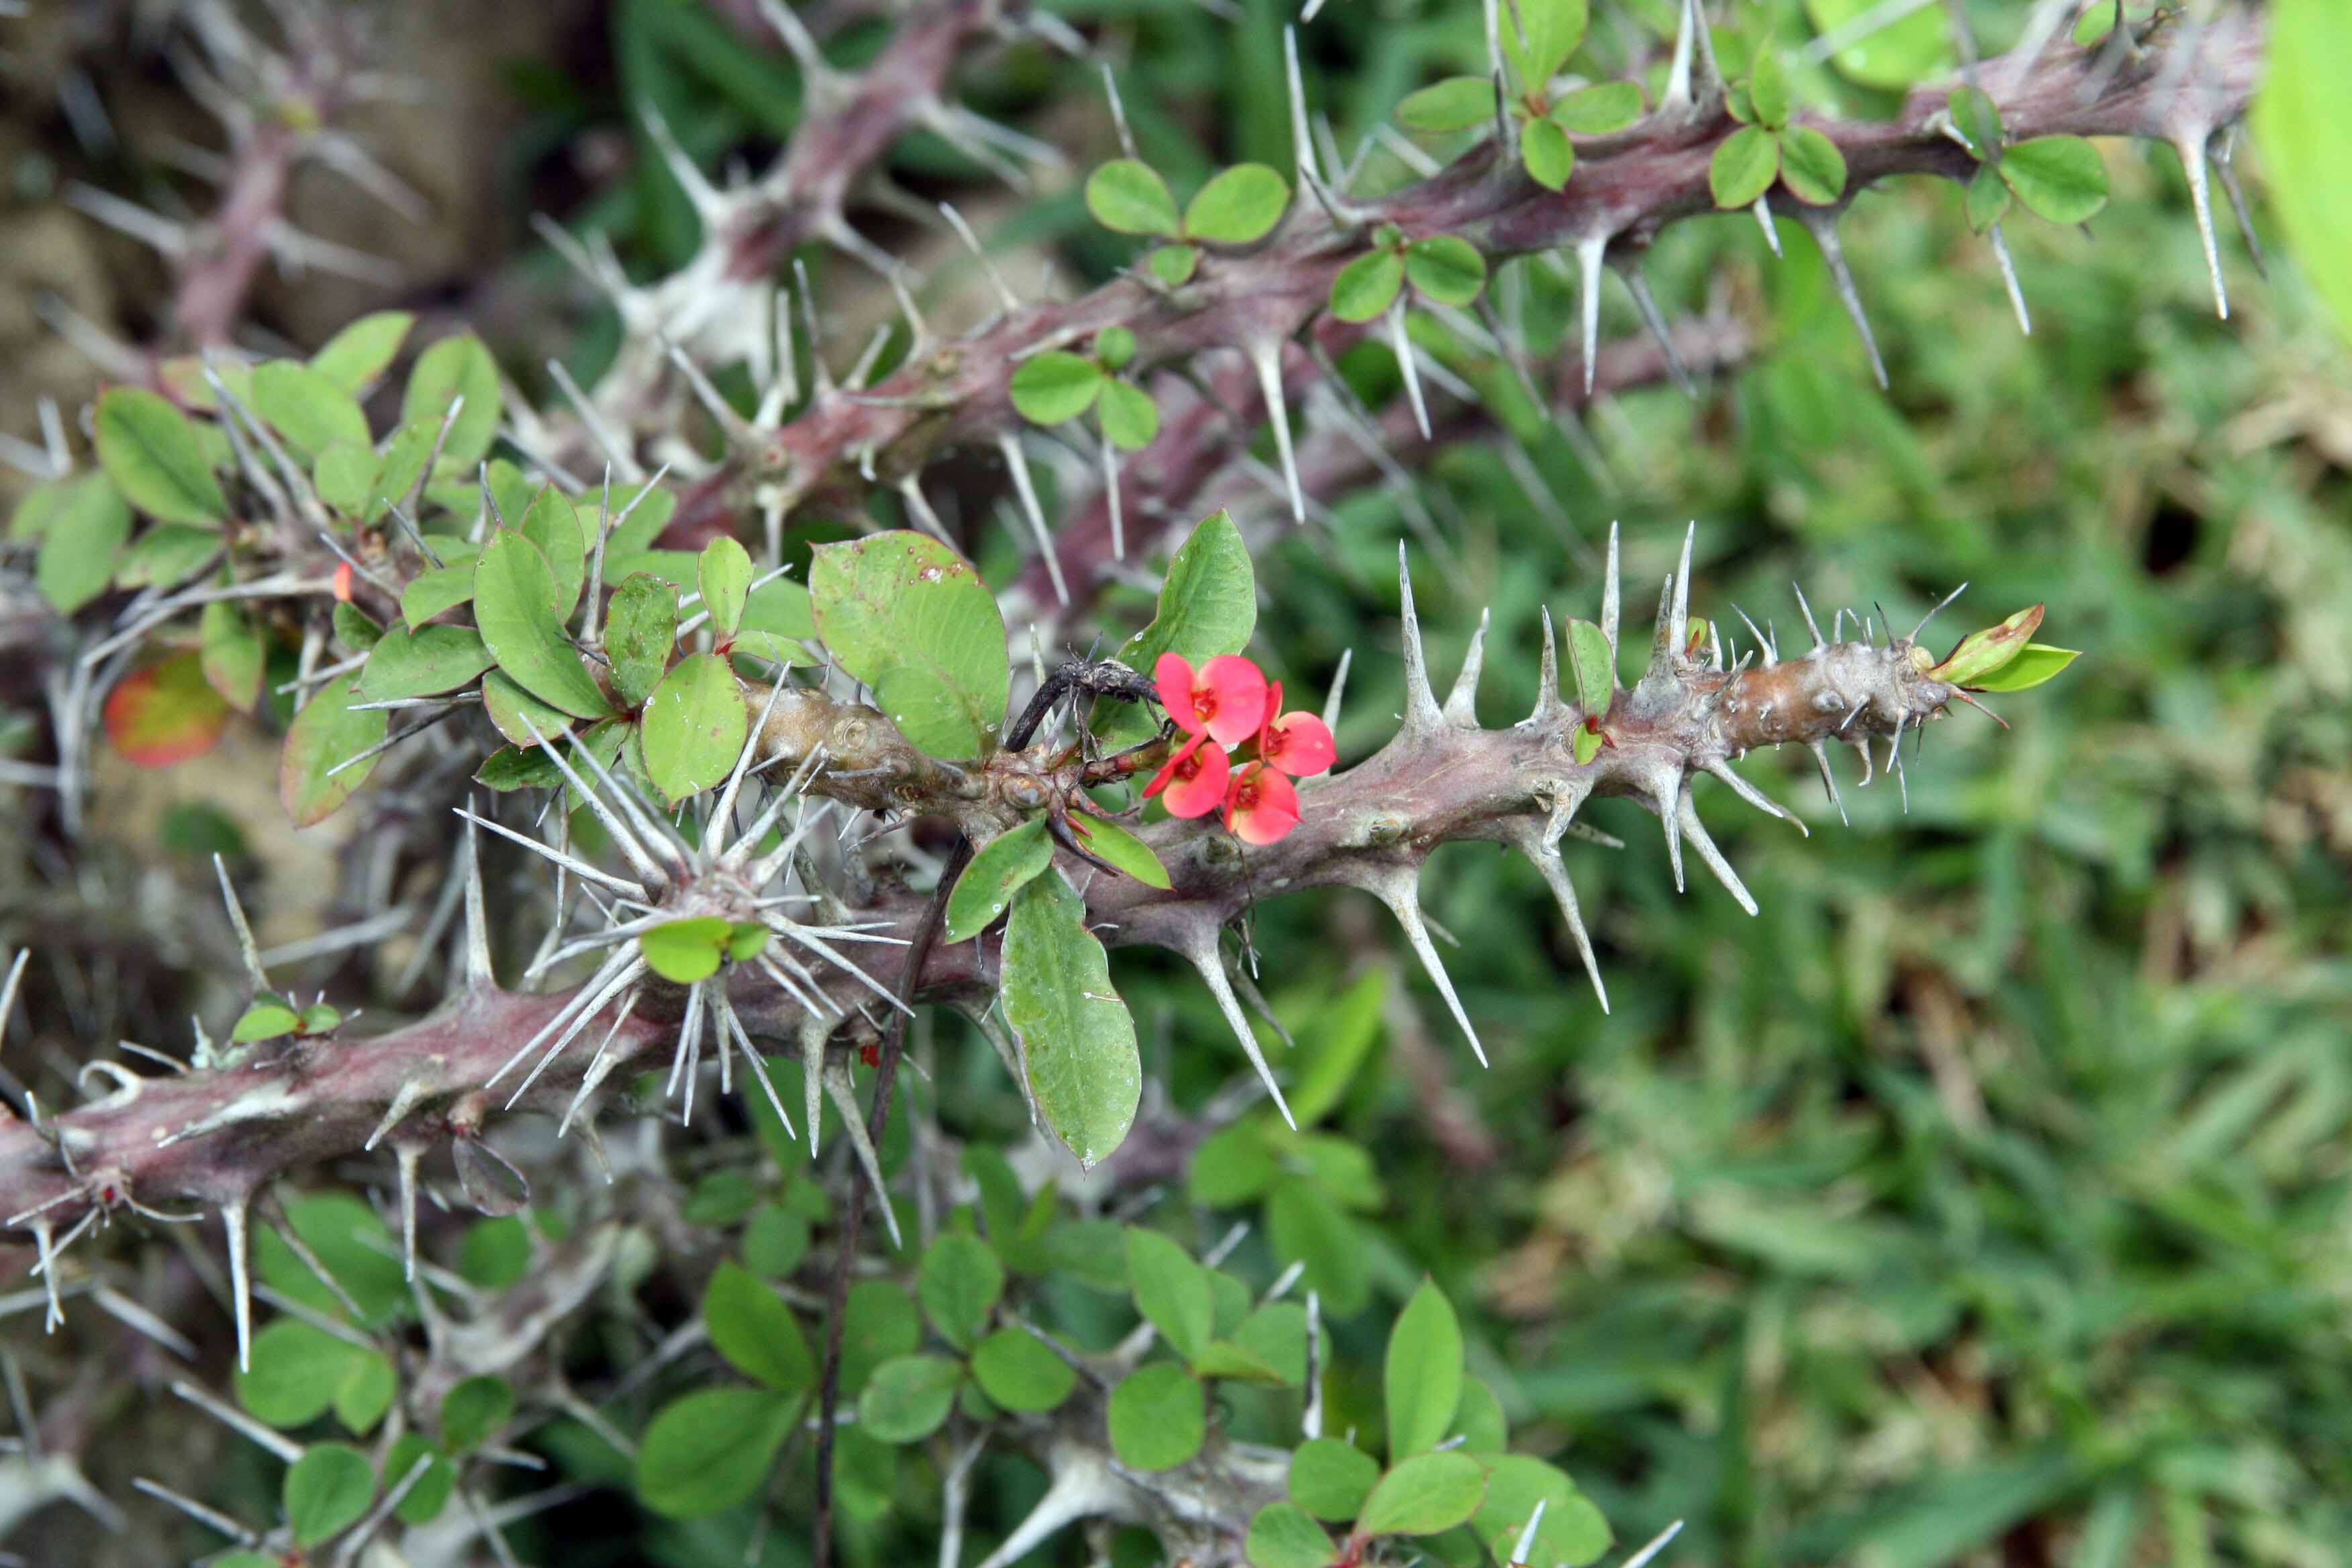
(165, 713)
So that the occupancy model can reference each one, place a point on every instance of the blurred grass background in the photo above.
(1985, 1201)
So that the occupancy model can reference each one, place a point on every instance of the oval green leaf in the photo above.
(1744, 166)
(1159, 1416)
(1239, 207)
(151, 452)
(998, 870)
(1424, 1495)
(1078, 1039)
(1127, 196)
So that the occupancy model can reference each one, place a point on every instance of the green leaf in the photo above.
(750, 1325)
(1447, 269)
(455, 367)
(307, 407)
(266, 1018)
(328, 732)
(84, 525)
(1173, 264)
(151, 452)
(2059, 178)
(364, 1391)
(1744, 166)
(1171, 1290)
(684, 950)
(1333, 1045)
(293, 1373)
(1114, 347)
(1592, 671)
(420, 663)
(1123, 849)
(1130, 420)
(724, 575)
(1330, 1478)
(326, 1491)
(1208, 601)
(1423, 1496)
(1423, 1382)
(1239, 207)
(515, 599)
(908, 615)
(1159, 1416)
(775, 1241)
(1078, 1039)
(907, 1397)
(1915, 46)
(1232, 1166)
(1364, 288)
(167, 555)
(475, 1411)
(552, 523)
(959, 1286)
(1553, 31)
(711, 1449)
(879, 1322)
(640, 634)
(1976, 118)
(1018, 1372)
(998, 870)
(344, 476)
(2033, 664)
(430, 1494)
(1980, 653)
(1572, 1531)
(1480, 1419)
(2303, 123)
(233, 655)
(1050, 388)
(1283, 1535)
(1599, 110)
(1767, 86)
(353, 1243)
(1547, 154)
(1458, 103)
(1812, 165)
(518, 715)
(359, 354)
(779, 607)
(1130, 197)
(1987, 201)
(1584, 744)
(1303, 1225)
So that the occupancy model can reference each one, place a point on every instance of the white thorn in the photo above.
(844, 1099)
(1548, 703)
(1538, 843)
(813, 1038)
(1421, 710)
(1330, 703)
(1680, 621)
(1687, 816)
(406, 1157)
(1402, 342)
(1763, 211)
(1821, 750)
(477, 925)
(2009, 280)
(1010, 445)
(404, 1100)
(240, 1280)
(1462, 702)
(1806, 610)
(1399, 888)
(244, 943)
(1203, 951)
(1524, 1552)
(1822, 224)
(1267, 358)
(2191, 145)
(1693, 70)
(1747, 792)
(1637, 283)
(1590, 251)
(1657, 1543)
(1611, 601)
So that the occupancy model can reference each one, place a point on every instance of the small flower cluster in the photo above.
(1228, 701)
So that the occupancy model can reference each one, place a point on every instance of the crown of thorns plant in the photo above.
(554, 609)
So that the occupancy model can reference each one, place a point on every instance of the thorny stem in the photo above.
(886, 1077)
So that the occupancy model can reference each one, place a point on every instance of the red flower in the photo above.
(1195, 779)
(1261, 805)
(1225, 696)
(1298, 744)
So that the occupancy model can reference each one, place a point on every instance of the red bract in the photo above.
(1261, 805)
(1298, 744)
(1225, 698)
(1193, 781)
